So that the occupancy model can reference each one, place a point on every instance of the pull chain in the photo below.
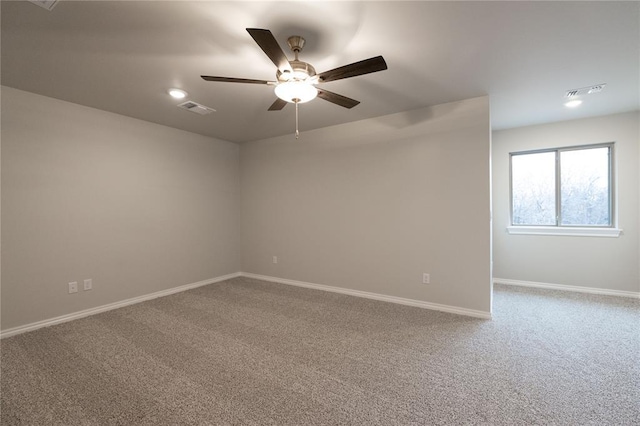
(297, 132)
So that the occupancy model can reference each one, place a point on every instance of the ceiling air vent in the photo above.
(589, 90)
(47, 4)
(196, 107)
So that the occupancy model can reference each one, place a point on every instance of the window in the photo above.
(563, 187)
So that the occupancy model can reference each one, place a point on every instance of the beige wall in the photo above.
(135, 206)
(371, 205)
(608, 263)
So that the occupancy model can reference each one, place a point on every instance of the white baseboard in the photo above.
(577, 289)
(87, 312)
(104, 308)
(375, 296)
(368, 295)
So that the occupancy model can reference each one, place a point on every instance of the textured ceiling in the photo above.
(123, 56)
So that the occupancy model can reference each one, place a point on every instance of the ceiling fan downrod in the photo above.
(296, 43)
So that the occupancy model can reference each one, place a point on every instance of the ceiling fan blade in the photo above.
(343, 101)
(270, 46)
(235, 80)
(278, 105)
(366, 66)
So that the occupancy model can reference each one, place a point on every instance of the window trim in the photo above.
(558, 228)
(567, 231)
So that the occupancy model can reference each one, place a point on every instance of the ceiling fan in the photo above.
(296, 81)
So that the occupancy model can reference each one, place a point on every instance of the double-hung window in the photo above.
(563, 189)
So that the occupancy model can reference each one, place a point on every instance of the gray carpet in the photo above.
(250, 352)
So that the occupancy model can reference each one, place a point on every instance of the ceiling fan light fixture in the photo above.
(296, 91)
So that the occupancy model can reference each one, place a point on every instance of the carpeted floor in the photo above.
(250, 352)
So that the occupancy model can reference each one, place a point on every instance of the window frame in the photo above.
(559, 228)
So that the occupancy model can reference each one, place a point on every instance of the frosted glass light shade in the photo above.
(299, 90)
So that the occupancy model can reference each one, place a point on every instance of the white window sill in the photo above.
(565, 231)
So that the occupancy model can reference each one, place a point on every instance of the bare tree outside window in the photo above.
(534, 189)
(562, 187)
(584, 186)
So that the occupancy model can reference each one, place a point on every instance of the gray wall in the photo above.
(135, 206)
(141, 208)
(371, 205)
(608, 263)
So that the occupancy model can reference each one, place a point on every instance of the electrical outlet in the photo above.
(275, 259)
(426, 279)
(88, 284)
(73, 287)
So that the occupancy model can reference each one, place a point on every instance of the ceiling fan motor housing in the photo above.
(301, 71)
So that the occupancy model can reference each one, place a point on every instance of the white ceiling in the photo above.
(123, 56)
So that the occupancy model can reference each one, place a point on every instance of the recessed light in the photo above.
(572, 104)
(177, 93)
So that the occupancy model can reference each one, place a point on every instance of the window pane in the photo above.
(533, 188)
(584, 187)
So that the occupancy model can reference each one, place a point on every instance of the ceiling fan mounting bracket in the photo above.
(296, 43)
